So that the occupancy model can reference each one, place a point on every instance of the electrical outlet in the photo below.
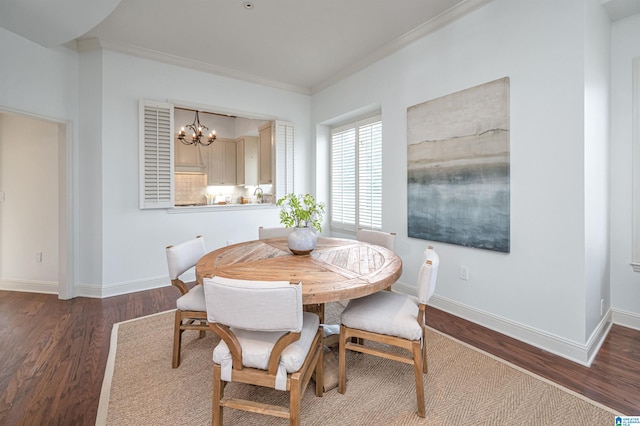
(1, 196)
(464, 273)
(601, 307)
(229, 242)
(39, 257)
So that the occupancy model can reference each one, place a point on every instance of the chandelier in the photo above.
(196, 133)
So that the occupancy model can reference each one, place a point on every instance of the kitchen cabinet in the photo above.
(189, 158)
(266, 147)
(247, 160)
(221, 164)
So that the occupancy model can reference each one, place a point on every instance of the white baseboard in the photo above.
(30, 286)
(581, 353)
(626, 319)
(126, 287)
(92, 290)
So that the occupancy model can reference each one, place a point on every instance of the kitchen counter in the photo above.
(220, 207)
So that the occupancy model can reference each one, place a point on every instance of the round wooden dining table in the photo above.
(337, 269)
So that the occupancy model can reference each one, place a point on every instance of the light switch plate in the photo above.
(1, 196)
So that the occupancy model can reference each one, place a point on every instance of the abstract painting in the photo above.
(458, 168)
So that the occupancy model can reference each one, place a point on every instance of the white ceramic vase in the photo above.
(302, 240)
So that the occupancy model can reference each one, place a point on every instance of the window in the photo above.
(356, 175)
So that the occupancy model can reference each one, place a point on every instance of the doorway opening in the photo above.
(34, 205)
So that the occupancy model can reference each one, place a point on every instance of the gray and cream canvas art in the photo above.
(458, 168)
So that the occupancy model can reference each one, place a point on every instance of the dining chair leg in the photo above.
(320, 369)
(218, 394)
(425, 364)
(294, 401)
(417, 369)
(177, 340)
(342, 360)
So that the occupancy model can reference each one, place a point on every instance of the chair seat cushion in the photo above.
(193, 300)
(384, 312)
(257, 346)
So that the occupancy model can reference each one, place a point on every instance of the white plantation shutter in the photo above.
(156, 155)
(356, 175)
(343, 179)
(370, 176)
(284, 135)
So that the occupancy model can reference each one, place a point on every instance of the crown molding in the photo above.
(154, 55)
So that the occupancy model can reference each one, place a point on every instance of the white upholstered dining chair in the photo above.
(191, 312)
(392, 319)
(266, 340)
(381, 238)
(275, 232)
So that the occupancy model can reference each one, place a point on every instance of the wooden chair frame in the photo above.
(185, 320)
(296, 382)
(353, 339)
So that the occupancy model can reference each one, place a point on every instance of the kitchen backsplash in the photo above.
(190, 188)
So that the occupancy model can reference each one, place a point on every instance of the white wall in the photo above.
(29, 214)
(43, 83)
(133, 240)
(538, 290)
(597, 36)
(625, 284)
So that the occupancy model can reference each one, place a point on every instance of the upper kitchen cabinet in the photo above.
(189, 158)
(247, 160)
(221, 168)
(266, 147)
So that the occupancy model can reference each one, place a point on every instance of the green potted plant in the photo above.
(303, 213)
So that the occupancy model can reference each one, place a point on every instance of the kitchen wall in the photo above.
(190, 188)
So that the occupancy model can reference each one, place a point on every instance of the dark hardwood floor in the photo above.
(53, 355)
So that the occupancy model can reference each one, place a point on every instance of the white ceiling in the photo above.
(300, 45)
(295, 44)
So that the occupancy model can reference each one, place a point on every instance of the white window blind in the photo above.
(356, 175)
(156, 155)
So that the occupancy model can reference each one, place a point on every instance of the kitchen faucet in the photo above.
(259, 196)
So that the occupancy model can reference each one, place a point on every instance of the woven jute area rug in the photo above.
(463, 386)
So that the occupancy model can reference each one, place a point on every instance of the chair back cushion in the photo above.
(384, 239)
(254, 305)
(277, 232)
(428, 275)
(184, 256)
